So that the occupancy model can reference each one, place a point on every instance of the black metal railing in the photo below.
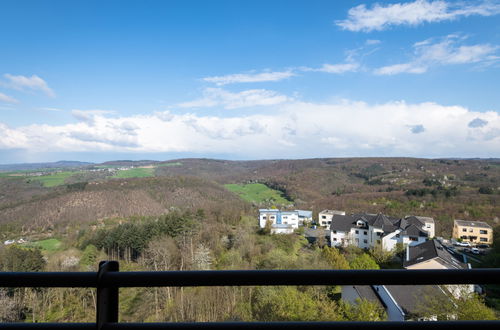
(108, 280)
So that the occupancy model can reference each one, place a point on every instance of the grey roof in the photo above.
(477, 224)
(433, 250)
(333, 212)
(316, 232)
(412, 298)
(305, 213)
(409, 226)
(343, 222)
(367, 292)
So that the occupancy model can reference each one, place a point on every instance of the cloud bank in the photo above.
(294, 130)
(381, 17)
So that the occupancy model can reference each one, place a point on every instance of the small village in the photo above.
(415, 235)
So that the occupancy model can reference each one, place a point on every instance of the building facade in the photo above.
(475, 232)
(325, 217)
(378, 230)
(282, 222)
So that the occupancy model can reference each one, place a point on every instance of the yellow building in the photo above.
(475, 232)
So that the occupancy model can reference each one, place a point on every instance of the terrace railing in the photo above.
(109, 279)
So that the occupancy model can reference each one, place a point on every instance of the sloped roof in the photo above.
(478, 224)
(433, 250)
(412, 298)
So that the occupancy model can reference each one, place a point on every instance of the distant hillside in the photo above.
(37, 166)
(445, 189)
(122, 198)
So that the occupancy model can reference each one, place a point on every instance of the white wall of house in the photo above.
(360, 237)
(290, 218)
(410, 240)
(264, 216)
(390, 240)
(338, 238)
(325, 219)
(429, 228)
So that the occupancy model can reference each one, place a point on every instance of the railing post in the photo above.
(107, 297)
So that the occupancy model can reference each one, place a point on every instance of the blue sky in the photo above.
(101, 80)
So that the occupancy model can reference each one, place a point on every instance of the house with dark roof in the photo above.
(401, 302)
(433, 255)
(371, 230)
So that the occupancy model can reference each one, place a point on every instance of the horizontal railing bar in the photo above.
(252, 277)
(431, 325)
(301, 277)
(49, 279)
(26, 326)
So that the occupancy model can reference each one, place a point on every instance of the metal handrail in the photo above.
(108, 280)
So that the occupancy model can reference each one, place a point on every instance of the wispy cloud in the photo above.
(343, 128)
(213, 97)
(50, 109)
(7, 99)
(380, 17)
(24, 83)
(335, 68)
(446, 51)
(249, 77)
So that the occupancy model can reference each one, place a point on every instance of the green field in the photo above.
(257, 193)
(50, 245)
(169, 164)
(53, 180)
(134, 173)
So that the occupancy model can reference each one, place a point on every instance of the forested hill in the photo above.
(442, 188)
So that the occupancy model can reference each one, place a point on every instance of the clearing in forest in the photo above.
(257, 193)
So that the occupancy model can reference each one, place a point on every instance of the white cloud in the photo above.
(335, 68)
(371, 42)
(250, 77)
(292, 130)
(7, 99)
(23, 83)
(90, 115)
(380, 17)
(249, 98)
(446, 51)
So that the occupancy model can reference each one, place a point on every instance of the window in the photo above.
(272, 217)
(463, 237)
(397, 235)
(357, 231)
(365, 241)
(285, 217)
(365, 233)
(464, 229)
(334, 231)
(335, 238)
(483, 239)
(379, 234)
(414, 239)
(285, 222)
(428, 225)
(264, 217)
(323, 217)
(484, 232)
(471, 230)
(329, 222)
